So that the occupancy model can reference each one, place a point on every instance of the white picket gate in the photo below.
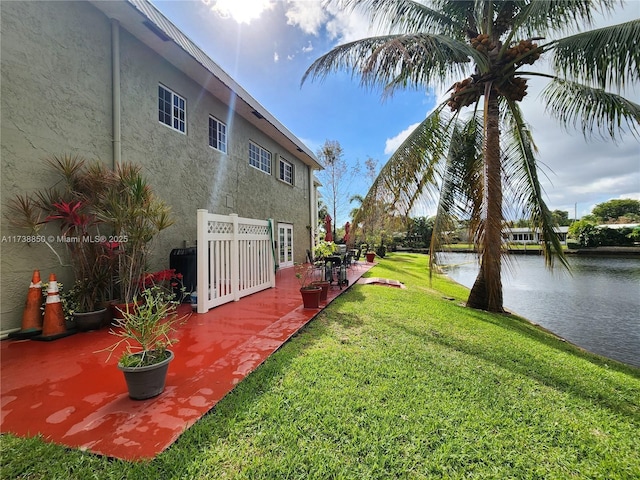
(235, 258)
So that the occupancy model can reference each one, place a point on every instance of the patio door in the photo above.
(285, 245)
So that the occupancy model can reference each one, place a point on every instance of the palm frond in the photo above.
(592, 108)
(521, 174)
(412, 171)
(541, 17)
(404, 15)
(415, 60)
(607, 57)
(460, 194)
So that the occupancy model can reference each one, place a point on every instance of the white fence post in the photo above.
(202, 278)
(235, 260)
(272, 252)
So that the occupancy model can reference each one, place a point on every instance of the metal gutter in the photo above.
(115, 92)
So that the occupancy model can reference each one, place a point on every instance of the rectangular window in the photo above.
(286, 172)
(217, 135)
(259, 158)
(172, 109)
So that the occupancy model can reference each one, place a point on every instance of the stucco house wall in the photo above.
(56, 98)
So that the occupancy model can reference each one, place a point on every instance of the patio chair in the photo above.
(355, 258)
(318, 264)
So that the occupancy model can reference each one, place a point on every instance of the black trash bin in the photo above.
(185, 261)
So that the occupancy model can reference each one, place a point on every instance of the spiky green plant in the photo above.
(136, 215)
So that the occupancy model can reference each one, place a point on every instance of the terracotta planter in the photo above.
(86, 321)
(325, 289)
(370, 256)
(311, 297)
(147, 382)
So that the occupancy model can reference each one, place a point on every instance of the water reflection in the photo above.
(597, 307)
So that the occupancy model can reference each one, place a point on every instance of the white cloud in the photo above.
(311, 16)
(244, 11)
(346, 27)
(276, 57)
(306, 15)
(392, 144)
(308, 48)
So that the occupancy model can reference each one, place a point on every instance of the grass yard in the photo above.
(390, 383)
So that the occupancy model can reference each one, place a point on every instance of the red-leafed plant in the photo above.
(70, 205)
(107, 220)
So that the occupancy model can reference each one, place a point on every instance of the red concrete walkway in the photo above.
(67, 392)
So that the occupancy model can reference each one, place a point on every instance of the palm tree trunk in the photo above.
(486, 293)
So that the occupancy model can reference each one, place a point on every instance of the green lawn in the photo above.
(390, 383)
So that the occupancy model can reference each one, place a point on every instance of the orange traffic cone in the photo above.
(32, 316)
(53, 325)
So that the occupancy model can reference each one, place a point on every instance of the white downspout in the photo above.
(115, 73)
(312, 210)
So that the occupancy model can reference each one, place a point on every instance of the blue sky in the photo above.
(267, 45)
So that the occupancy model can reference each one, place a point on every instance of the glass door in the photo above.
(285, 245)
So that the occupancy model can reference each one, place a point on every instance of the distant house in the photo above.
(526, 235)
(117, 81)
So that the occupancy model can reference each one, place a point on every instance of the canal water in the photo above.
(597, 307)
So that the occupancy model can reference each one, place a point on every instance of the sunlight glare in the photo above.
(242, 11)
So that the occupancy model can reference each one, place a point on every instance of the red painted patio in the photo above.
(68, 392)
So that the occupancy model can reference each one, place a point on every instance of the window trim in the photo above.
(224, 134)
(282, 161)
(173, 117)
(261, 150)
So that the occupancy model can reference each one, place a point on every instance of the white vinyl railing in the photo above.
(235, 258)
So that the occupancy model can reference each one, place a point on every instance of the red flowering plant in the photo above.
(167, 284)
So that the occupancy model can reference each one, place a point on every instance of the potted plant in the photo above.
(147, 331)
(370, 256)
(322, 251)
(324, 288)
(136, 216)
(310, 293)
(71, 205)
(82, 303)
(169, 282)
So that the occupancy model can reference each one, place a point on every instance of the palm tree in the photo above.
(475, 148)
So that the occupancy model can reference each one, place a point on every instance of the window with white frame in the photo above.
(259, 158)
(172, 109)
(286, 171)
(217, 134)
